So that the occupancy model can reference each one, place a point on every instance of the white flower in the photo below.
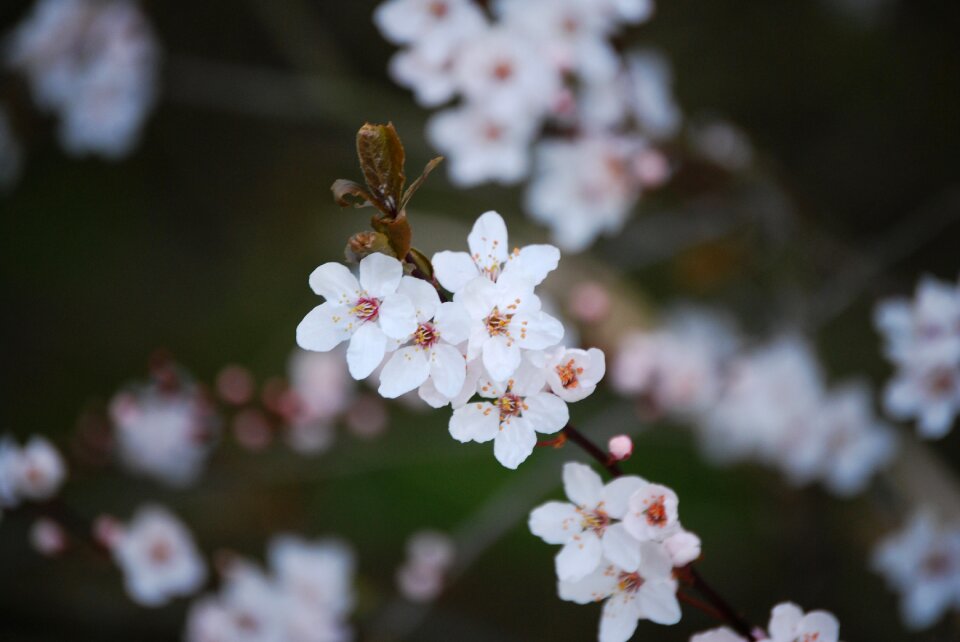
(650, 593)
(429, 556)
(630, 11)
(925, 330)
(922, 563)
(318, 575)
(683, 547)
(722, 634)
(930, 393)
(431, 80)
(518, 410)
(652, 97)
(367, 312)
(432, 353)
(490, 255)
(573, 374)
(505, 319)
(436, 27)
(158, 558)
(586, 527)
(789, 624)
(652, 513)
(40, 470)
(482, 146)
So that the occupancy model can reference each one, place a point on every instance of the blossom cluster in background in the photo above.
(922, 339)
(768, 403)
(92, 63)
(423, 574)
(535, 65)
(306, 596)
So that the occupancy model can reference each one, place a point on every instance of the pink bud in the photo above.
(235, 385)
(48, 537)
(620, 447)
(107, 530)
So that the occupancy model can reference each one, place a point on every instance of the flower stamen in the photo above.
(366, 309)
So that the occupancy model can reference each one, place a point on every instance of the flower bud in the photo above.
(363, 244)
(620, 447)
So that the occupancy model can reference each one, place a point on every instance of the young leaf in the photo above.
(415, 185)
(421, 262)
(397, 231)
(382, 159)
(347, 193)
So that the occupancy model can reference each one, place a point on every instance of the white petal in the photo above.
(654, 561)
(380, 274)
(335, 283)
(479, 296)
(429, 393)
(617, 493)
(579, 557)
(514, 443)
(366, 350)
(325, 327)
(488, 241)
(528, 379)
(784, 620)
(618, 621)
(621, 548)
(448, 369)
(658, 601)
(582, 485)
(477, 422)
(546, 412)
(500, 357)
(534, 262)
(406, 370)
(453, 322)
(397, 318)
(592, 588)
(535, 331)
(555, 522)
(820, 626)
(422, 295)
(683, 547)
(454, 269)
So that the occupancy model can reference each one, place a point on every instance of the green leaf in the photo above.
(347, 193)
(382, 160)
(415, 185)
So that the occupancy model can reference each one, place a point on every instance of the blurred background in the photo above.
(200, 243)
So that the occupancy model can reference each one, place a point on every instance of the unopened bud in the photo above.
(363, 244)
(620, 447)
(47, 537)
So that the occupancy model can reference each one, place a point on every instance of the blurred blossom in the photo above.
(589, 302)
(367, 416)
(320, 391)
(306, 597)
(251, 429)
(921, 562)
(33, 472)
(922, 339)
(47, 537)
(10, 153)
(158, 557)
(164, 433)
(788, 623)
(94, 64)
(422, 576)
(722, 143)
(235, 385)
(651, 94)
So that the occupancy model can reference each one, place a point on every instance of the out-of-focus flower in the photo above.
(47, 537)
(95, 65)
(158, 557)
(721, 143)
(435, 27)
(429, 556)
(589, 302)
(366, 417)
(921, 562)
(235, 384)
(573, 374)
(788, 623)
(33, 472)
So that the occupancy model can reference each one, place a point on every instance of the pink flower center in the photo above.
(503, 70)
(941, 381)
(629, 582)
(426, 335)
(160, 552)
(656, 512)
(595, 520)
(568, 374)
(510, 405)
(438, 9)
(497, 323)
(366, 309)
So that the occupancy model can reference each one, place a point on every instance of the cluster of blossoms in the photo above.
(621, 542)
(531, 63)
(922, 563)
(33, 472)
(922, 339)
(492, 340)
(157, 555)
(769, 404)
(306, 597)
(94, 64)
(164, 429)
(788, 623)
(422, 576)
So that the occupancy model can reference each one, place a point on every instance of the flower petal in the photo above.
(366, 350)
(406, 369)
(619, 617)
(582, 485)
(448, 369)
(398, 317)
(784, 620)
(592, 588)
(534, 262)
(617, 493)
(453, 322)
(579, 557)
(658, 601)
(488, 242)
(546, 412)
(479, 422)
(422, 295)
(380, 274)
(501, 357)
(514, 443)
(479, 296)
(555, 522)
(535, 330)
(335, 283)
(454, 269)
(621, 548)
(324, 327)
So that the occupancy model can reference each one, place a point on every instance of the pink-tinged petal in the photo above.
(479, 422)
(621, 548)
(579, 557)
(597, 365)
(784, 620)
(536, 330)
(406, 370)
(488, 242)
(683, 547)
(617, 493)
(534, 262)
(820, 626)
(479, 297)
(582, 485)
(453, 322)
(594, 587)
(366, 350)
(652, 512)
(555, 522)
(380, 274)
(654, 561)
(448, 369)
(529, 379)
(546, 412)
(325, 327)
(514, 443)
(335, 283)
(722, 634)
(454, 269)
(422, 295)
(618, 620)
(398, 317)
(658, 601)
(936, 418)
(501, 357)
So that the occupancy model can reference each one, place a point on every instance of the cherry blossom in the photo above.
(651, 513)
(367, 312)
(435, 27)
(429, 556)
(788, 623)
(33, 472)
(573, 374)
(158, 557)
